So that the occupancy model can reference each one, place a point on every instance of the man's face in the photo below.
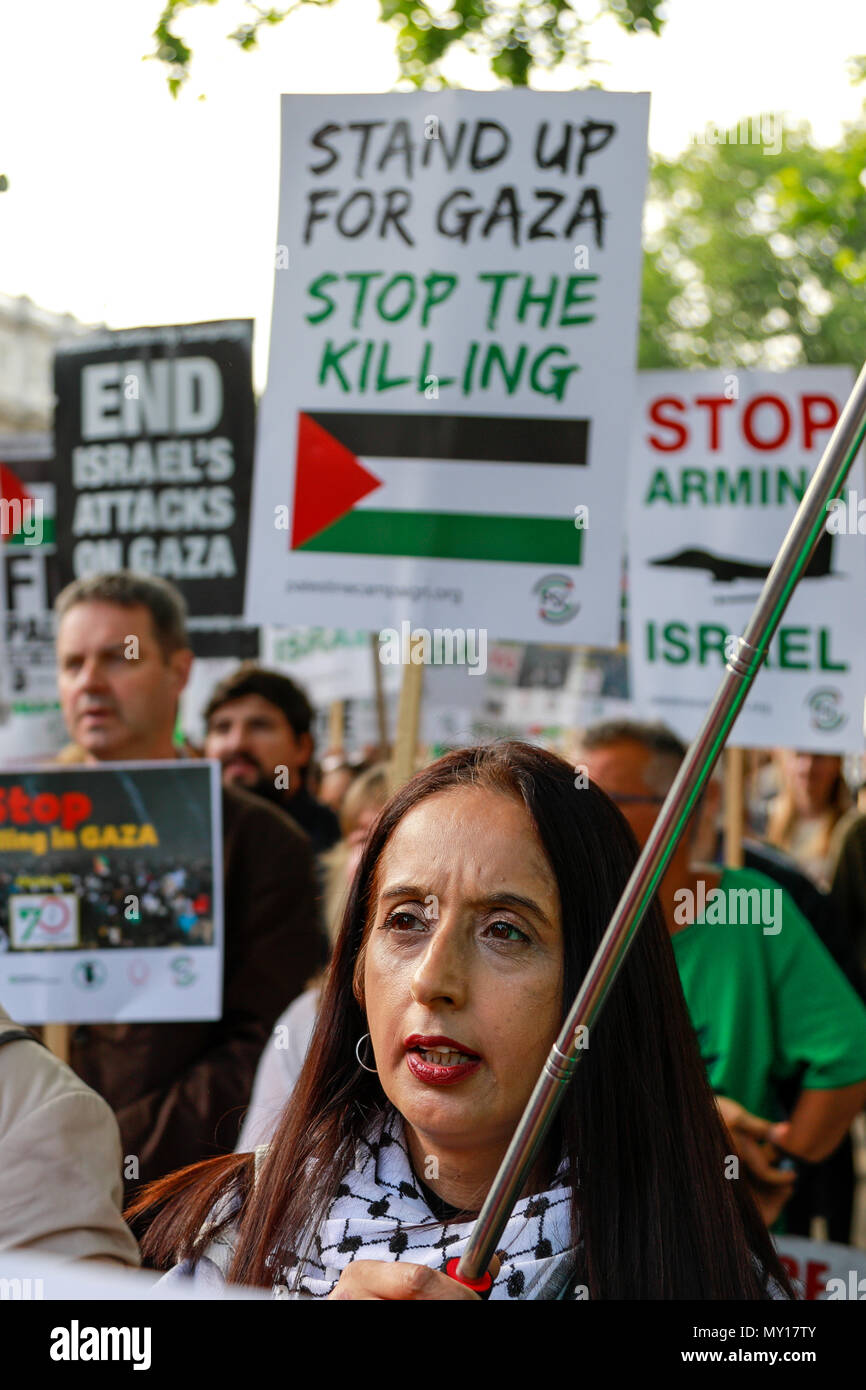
(252, 739)
(118, 692)
(623, 770)
(620, 770)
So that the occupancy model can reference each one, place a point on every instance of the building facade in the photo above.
(28, 337)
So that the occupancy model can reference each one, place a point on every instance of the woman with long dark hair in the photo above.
(478, 903)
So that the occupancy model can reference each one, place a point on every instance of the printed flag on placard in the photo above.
(358, 478)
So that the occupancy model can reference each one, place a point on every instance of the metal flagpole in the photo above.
(745, 655)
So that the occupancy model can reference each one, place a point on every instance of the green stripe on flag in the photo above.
(48, 535)
(537, 540)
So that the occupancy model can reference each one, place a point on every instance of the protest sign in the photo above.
(36, 1274)
(823, 1269)
(154, 436)
(546, 693)
(29, 583)
(444, 429)
(111, 893)
(330, 663)
(719, 464)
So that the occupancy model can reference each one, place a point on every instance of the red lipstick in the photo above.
(421, 1058)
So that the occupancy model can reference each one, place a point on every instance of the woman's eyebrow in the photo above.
(513, 900)
(404, 890)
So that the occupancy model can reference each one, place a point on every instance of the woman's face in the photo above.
(463, 971)
(811, 778)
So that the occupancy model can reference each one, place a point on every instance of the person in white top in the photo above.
(809, 817)
(283, 1057)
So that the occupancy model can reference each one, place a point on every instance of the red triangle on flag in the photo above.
(329, 480)
(11, 490)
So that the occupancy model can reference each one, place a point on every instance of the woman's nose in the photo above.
(442, 971)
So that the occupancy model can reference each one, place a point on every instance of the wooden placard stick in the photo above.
(56, 1036)
(402, 763)
(734, 814)
(336, 726)
(381, 709)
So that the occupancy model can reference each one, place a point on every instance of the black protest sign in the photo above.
(154, 435)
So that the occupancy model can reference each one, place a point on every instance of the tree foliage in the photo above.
(512, 35)
(757, 258)
(755, 253)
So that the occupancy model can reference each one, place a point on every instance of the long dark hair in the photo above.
(645, 1146)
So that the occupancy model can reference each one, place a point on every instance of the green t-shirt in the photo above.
(768, 1005)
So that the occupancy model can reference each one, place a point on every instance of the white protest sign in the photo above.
(545, 693)
(330, 663)
(112, 901)
(443, 435)
(32, 1275)
(825, 1271)
(719, 463)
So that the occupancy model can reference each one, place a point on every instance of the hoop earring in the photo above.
(358, 1054)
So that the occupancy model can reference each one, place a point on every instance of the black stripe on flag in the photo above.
(480, 438)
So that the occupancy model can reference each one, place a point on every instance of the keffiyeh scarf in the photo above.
(379, 1213)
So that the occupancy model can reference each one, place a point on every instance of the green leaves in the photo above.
(513, 36)
(757, 255)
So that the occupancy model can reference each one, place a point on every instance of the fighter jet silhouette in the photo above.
(725, 569)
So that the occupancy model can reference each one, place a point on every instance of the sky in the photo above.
(127, 207)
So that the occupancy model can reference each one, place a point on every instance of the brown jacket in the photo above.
(179, 1090)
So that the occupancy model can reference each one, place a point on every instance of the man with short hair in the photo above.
(769, 1005)
(259, 726)
(179, 1089)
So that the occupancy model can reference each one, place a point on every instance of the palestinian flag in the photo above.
(443, 487)
(15, 493)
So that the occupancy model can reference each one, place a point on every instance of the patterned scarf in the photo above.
(380, 1214)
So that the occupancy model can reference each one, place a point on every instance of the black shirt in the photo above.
(315, 817)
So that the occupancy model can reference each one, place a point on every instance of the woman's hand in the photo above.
(376, 1279)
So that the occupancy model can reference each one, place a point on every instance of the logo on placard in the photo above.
(90, 974)
(40, 920)
(554, 592)
(825, 713)
(138, 972)
(184, 973)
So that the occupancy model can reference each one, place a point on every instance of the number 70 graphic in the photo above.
(43, 920)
